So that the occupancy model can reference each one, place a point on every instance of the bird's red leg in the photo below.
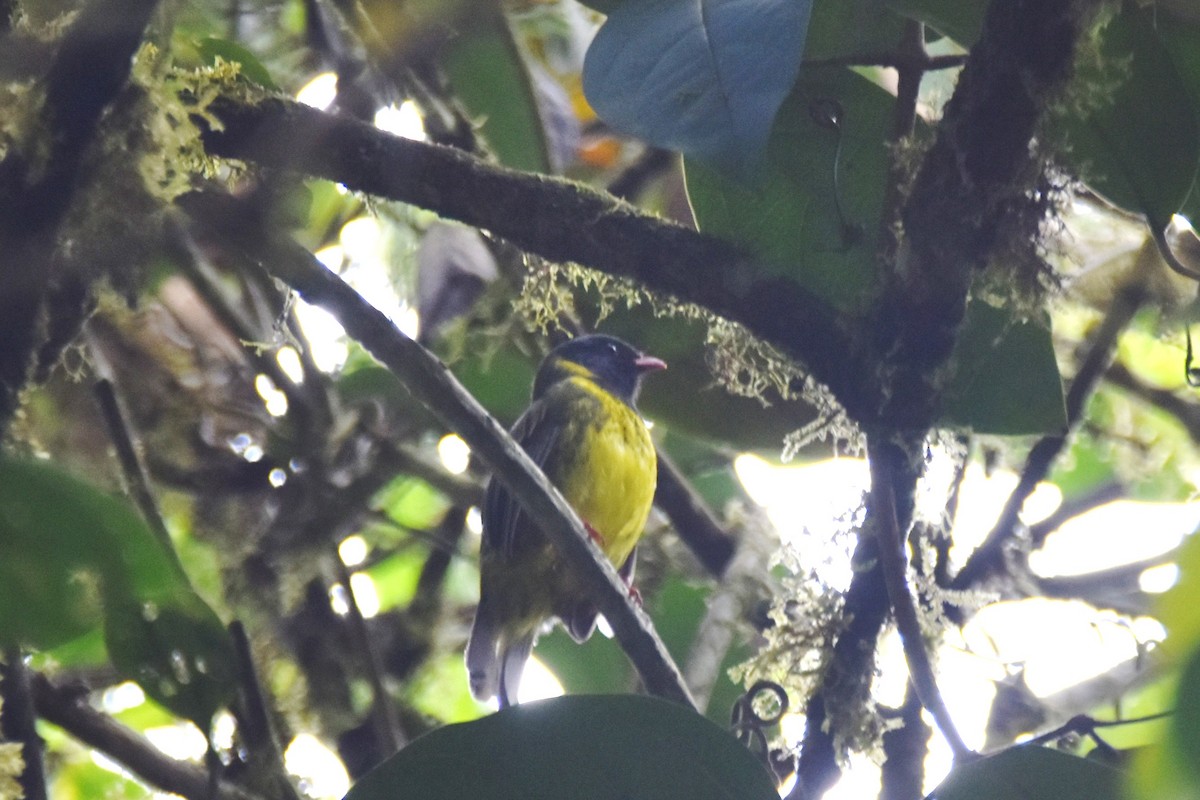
(634, 594)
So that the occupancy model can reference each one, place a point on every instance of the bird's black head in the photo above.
(608, 361)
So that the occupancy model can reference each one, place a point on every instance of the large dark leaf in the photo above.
(1031, 773)
(1140, 149)
(71, 556)
(704, 77)
(598, 747)
(816, 218)
(1006, 378)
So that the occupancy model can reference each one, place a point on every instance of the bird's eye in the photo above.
(612, 348)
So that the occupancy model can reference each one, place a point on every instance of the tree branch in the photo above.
(884, 474)
(67, 709)
(988, 558)
(432, 384)
(18, 723)
(559, 220)
(38, 178)
(980, 166)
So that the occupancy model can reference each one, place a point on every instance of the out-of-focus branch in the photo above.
(884, 474)
(69, 710)
(18, 723)
(989, 558)
(1186, 412)
(691, 518)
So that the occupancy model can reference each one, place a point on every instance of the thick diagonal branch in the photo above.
(432, 384)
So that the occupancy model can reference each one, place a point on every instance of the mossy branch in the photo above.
(558, 219)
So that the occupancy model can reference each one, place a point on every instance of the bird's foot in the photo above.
(594, 535)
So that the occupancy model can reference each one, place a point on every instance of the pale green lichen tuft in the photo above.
(740, 362)
(172, 154)
(808, 618)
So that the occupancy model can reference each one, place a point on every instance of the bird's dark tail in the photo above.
(512, 666)
(483, 667)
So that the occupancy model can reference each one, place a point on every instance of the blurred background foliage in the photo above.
(295, 486)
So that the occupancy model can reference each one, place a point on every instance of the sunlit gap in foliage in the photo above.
(403, 120)
(320, 91)
(454, 453)
(365, 596)
(1053, 645)
(537, 683)
(289, 362)
(276, 402)
(474, 521)
(322, 774)
(243, 444)
(353, 550)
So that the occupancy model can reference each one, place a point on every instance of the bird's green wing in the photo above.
(537, 431)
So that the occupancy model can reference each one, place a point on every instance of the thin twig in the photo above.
(18, 723)
(388, 731)
(257, 730)
(136, 480)
(1159, 233)
(1084, 725)
(900, 60)
(69, 710)
(891, 556)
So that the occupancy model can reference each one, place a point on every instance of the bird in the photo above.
(583, 429)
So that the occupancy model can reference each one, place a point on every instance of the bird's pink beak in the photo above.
(649, 364)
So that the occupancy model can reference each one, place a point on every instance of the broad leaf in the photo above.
(816, 218)
(1111, 145)
(705, 77)
(594, 747)
(210, 49)
(851, 27)
(961, 20)
(489, 76)
(1006, 378)
(1031, 773)
(71, 556)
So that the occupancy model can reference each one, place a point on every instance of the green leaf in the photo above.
(1141, 148)
(581, 747)
(1179, 37)
(487, 73)
(705, 78)
(816, 218)
(252, 69)
(411, 503)
(72, 555)
(176, 649)
(850, 27)
(961, 20)
(1006, 378)
(1031, 773)
(396, 577)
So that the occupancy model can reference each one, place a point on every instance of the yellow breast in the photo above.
(611, 482)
